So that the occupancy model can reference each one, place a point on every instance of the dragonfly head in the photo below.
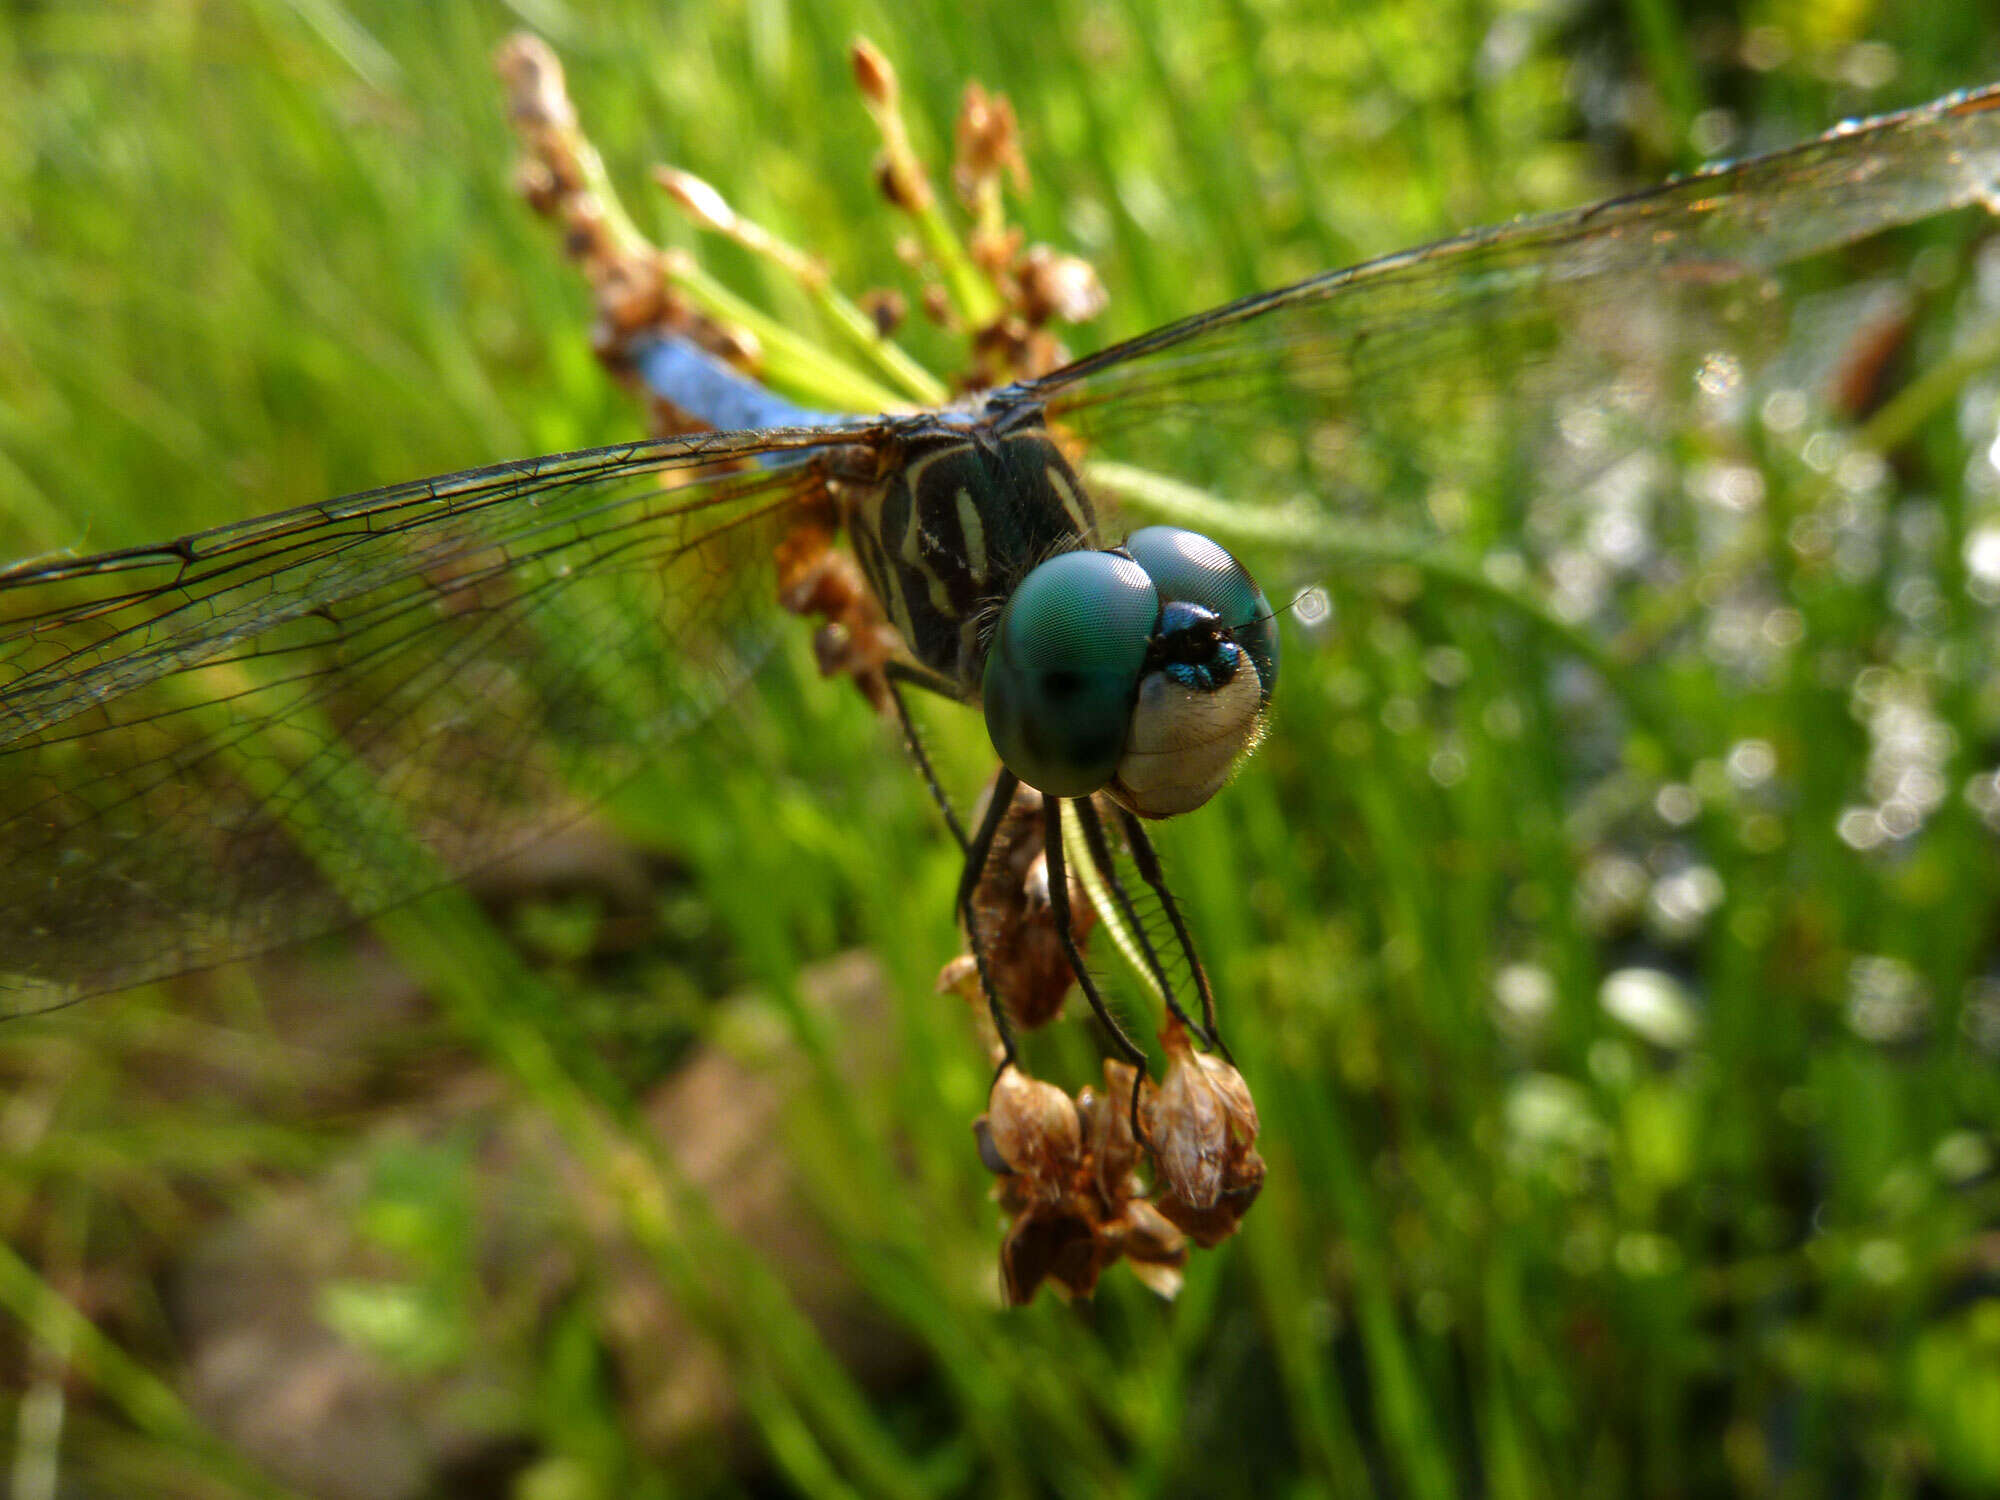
(1144, 671)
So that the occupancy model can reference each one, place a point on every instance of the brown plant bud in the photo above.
(1056, 1244)
(1025, 955)
(1035, 1130)
(960, 977)
(994, 250)
(1056, 286)
(697, 199)
(537, 185)
(586, 234)
(737, 346)
(886, 309)
(1071, 1196)
(1155, 1247)
(536, 95)
(872, 73)
(988, 141)
(1210, 1226)
(629, 295)
(1107, 1123)
(899, 186)
(1201, 1123)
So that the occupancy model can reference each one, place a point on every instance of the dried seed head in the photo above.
(536, 95)
(988, 140)
(1035, 1130)
(886, 309)
(900, 186)
(960, 976)
(630, 295)
(1010, 905)
(698, 200)
(1107, 1124)
(994, 250)
(1012, 349)
(1053, 1244)
(537, 185)
(1067, 1185)
(1156, 1249)
(586, 234)
(1201, 1124)
(1056, 286)
(1149, 1235)
(1035, 885)
(1210, 1226)
(989, 1153)
(872, 73)
(1031, 1131)
(737, 346)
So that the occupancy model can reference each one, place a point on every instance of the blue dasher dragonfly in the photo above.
(223, 743)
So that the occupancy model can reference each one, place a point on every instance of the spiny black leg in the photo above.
(1147, 860)
(977, 853)
(1100, 851)
(923, 677)
(981, 848)
(1052, 851)
(923, 761)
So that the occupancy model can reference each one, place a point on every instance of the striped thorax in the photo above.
(949, 532)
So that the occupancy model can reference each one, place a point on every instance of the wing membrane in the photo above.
(237, 739)
(218, 745)
(1524, 364)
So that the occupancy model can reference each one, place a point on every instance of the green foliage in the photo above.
(1721, 1224)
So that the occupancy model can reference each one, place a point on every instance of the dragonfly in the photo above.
(226, 742)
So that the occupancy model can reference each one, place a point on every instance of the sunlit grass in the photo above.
(257, 255)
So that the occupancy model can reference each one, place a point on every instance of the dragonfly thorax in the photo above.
(949, 532)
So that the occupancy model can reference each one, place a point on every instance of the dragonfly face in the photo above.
(1143, 671)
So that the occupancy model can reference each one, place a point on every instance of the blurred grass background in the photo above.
(615, 1177)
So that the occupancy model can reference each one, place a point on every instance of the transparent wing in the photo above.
(219, 745)
(213, 747)
(1532, 367)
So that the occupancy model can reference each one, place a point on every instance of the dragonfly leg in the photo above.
(1147, 860)
(916, 747)
(1052, 851)
(977, 853)
(1100, 852)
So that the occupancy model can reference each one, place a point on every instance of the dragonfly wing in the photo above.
(214, 747)
(1528, 360)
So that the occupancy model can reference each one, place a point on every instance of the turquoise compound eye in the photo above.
(1185, 565)
(1063, 670)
